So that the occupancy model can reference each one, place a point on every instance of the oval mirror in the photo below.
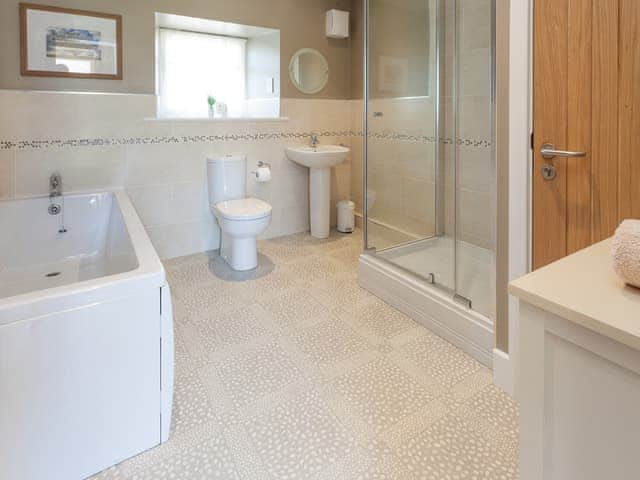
(309, 70)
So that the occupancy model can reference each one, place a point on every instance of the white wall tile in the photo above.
(475, 219)
(476, 168)
(181, 239)
(7, 174)
(154, 204)
(166, 181)
(164, 163)
(89, 168)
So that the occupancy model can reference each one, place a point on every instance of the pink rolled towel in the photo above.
(626, 252)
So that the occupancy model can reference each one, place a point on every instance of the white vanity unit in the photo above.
(579, 370)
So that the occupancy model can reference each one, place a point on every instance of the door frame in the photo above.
(519, 163)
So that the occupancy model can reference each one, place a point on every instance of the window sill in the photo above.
(218, 120)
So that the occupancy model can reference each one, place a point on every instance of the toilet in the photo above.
(241, 219)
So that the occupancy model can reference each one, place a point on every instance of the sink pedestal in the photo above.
(320, 201)
(319, 159)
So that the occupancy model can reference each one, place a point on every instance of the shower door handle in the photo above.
(548, 152)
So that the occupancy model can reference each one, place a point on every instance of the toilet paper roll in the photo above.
(263, 174)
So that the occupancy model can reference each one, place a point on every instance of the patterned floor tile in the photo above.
(315, 268)
(450, 450)
(293, 371)
(371, 461)
(328, 342)
(441, 360)
(291, 247)
(191, 404)
(381, 394)
(253, 373)
(199, 301)
(340, 292)
(190, 274)
(382, 321)
(294, 308)
(273, 284)
(299, 439)
(494, 414)
(209, 460)
(231, 327)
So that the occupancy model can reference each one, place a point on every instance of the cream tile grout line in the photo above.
(189, 139)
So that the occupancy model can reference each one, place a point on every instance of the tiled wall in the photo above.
(401, 168)
(102, 141)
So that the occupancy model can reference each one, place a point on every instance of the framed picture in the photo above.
(63, 42)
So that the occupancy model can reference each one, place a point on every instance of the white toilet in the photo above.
(241, 219)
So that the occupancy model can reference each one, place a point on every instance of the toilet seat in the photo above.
(243, 209)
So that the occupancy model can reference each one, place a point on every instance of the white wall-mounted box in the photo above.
(337, 24)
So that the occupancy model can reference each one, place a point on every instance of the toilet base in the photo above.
(241, 254)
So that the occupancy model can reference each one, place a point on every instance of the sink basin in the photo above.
(319, 160)
(322, 156)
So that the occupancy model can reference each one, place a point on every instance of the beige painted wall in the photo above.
(357, 49)
(400, 33)
(301, 24)
(502, 154)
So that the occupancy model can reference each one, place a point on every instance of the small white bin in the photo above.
(346, 220)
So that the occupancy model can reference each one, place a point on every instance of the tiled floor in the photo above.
(294, 372)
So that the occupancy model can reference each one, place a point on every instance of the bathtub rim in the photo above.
(148, 273)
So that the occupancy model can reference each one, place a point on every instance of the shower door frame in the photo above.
(410, 292)
(438, 194)
(439, 215)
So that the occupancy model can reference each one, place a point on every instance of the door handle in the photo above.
(548, 151)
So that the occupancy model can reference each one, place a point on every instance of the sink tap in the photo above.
(55, 185)
(313, 142)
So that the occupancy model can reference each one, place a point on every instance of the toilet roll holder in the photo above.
(260, 165)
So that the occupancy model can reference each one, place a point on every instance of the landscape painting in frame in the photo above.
(63, 42)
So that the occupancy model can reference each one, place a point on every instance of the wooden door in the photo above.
(586, 99)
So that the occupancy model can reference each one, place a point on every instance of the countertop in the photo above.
(584, 289)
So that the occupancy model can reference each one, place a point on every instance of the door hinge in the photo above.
(531, 141)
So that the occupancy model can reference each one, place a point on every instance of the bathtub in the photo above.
(86, 337)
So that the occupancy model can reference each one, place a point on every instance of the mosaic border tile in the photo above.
(229, 137)
(170, 139)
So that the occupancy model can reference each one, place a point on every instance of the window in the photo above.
(192, 66)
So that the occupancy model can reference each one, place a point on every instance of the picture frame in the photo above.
(71, 43)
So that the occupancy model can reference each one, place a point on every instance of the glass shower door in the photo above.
(407, 180)
(430, 163)
(405, 195)
(475, 155)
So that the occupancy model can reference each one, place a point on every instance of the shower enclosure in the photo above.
(429, 164)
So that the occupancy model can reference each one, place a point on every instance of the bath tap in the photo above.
(313, 141)
(55, 185)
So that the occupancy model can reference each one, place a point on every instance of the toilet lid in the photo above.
(243, 209)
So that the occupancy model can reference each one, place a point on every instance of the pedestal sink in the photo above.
(319, 160)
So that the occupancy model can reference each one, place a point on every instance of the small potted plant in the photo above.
(212, 102)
